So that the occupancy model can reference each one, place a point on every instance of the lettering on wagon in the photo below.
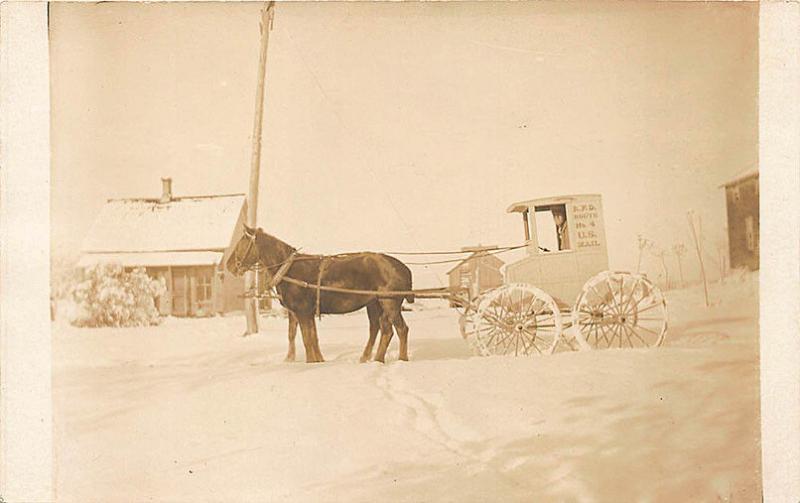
(586, 218)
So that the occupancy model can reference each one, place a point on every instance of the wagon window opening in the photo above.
(552, 228)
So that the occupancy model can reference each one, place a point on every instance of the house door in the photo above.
(181, 302)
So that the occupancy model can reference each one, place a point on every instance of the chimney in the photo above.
(166, 190)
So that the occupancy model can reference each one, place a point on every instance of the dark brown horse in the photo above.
(352, 271)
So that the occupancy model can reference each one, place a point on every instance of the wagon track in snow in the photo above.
(425, 419)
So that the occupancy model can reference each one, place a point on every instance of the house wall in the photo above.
(231, 288)
(742, 201)
(489, 277)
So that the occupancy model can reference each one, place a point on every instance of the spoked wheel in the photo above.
(621, 310)
(515, 319)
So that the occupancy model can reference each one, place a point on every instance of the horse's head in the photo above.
(245, 254)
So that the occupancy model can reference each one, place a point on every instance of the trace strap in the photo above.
(322, 266)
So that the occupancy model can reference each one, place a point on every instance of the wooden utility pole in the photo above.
(662, 256)
(643, 244)
(251, 279)
(679, 249)
(697, 246)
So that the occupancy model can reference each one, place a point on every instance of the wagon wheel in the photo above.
(466, 308)
(619, 309)
(515, 319)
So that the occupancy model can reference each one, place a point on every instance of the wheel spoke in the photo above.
(493, 333)
(651, 331)
(639, 337)
(626, 331)
(533, 343)
(630, 299)
(526, 348)
(616, 304)
(605, 329)
(504, 335)
(648, 308)
(657, 303)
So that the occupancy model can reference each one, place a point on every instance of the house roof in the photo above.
(741, 176)
(198, 223)
(153, 259)
(480, 256)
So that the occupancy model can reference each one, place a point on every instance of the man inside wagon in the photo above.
(562, 231)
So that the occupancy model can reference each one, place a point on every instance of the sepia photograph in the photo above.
(405, 251)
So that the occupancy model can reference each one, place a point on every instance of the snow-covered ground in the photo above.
(191, 411)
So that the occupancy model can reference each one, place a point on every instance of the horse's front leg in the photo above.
(290, 355)
(309, 331)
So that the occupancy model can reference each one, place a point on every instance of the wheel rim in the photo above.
(516, 319)
(621, 310)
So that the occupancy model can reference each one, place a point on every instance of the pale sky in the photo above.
(410, 126)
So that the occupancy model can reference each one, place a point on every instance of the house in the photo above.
(477, 273)
(184, 240)
(741, 198)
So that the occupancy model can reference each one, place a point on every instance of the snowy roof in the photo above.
(182, 224)
(743, 175)
(483, 257)
(153, 259)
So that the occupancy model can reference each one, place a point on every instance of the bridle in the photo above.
(258, 264)
(251, 242)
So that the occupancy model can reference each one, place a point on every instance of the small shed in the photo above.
(477, 273)
(184, 240)
(742, 200)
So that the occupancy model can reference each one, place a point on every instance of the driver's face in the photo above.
(559, 218)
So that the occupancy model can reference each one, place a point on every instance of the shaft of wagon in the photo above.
(251, 305)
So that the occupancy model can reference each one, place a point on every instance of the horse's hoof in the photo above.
(363, 359)
(289, 359)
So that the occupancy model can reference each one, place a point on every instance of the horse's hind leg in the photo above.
(290, 355)
(387, 307)
(317, 351)
(402, 333)
(374, 314)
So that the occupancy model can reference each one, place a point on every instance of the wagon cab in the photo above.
(563, 282)
(566, 244)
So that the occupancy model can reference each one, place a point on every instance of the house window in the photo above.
(552, 228)
(750, 233)
(203, 286)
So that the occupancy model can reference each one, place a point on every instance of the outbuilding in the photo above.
(742, 202)
(477, 273)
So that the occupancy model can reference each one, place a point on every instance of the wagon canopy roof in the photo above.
(198, 223)
(544, 201)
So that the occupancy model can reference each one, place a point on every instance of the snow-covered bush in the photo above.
(109, 296)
